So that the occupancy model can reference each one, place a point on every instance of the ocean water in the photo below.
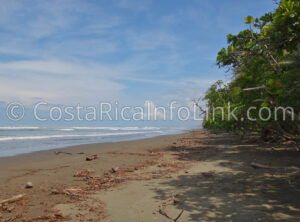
(26, 139)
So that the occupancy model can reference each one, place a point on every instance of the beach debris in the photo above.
(54, 191)
(262, 166)
(175, 201)
(28, 185)
(162, 212)
(82, 173)
(114, 169)
(162, 209)
(208, 174)
(80, 153)
(89, 177)
(258, 165)
(91, 157)
(62, 152)
(11, 200)
(130, 169)
(152, 153)
(8, 208)
(78, 193)
(108, 181)
(179, 215)
(167, 164)
(53, 217)
(118, 175)
(59, 215)
(73, 192)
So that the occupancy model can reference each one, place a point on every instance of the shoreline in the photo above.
(78, 146)
(209, 175)
(47, 170)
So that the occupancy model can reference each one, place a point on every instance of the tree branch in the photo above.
(254, 88)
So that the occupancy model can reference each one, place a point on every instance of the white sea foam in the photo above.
(66, 136)
(18, 127)
(66, 129)
(127, 128)
(150, 128)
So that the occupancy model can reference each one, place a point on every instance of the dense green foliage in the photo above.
(265, 58)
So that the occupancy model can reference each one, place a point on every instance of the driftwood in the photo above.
(262, 166)
(179, 215)
(59, 152)
(91, 157)
(72, 190)
(54, 217)
(163, 205)
(82, 173)
(162, 212)
(208, 174)
(13, 199)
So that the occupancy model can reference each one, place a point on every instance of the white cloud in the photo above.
(46, 46)
(39, 19)
(58, 82)
(151, 40)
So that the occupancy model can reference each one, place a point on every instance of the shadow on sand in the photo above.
(233, 190)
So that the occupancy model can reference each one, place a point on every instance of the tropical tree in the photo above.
(264, 60)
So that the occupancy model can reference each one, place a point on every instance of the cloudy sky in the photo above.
(73, 51)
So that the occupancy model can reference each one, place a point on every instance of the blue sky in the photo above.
(84, 52)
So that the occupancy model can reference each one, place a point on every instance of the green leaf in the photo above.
(231, 48)
(249, 19)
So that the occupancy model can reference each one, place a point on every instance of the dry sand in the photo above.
(195, 176)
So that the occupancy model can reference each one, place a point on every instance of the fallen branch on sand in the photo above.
(262, 166)
(208, 174)
(82, 173)
(13, 199)
(162, 212)
(179, 215)
(73, 192)
(163, 205)
(53, 217)
(59, 152)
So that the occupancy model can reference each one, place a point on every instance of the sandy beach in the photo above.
(196, 176)
(149, 111)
